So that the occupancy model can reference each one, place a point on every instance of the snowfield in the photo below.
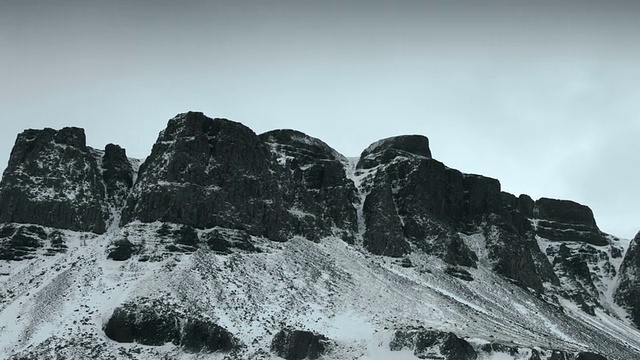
(54, 306)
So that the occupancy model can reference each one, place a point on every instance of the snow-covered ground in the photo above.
(54, 305)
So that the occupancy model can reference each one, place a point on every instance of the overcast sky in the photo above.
(543, 96)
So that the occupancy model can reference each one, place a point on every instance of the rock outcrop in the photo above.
(384, 233)
(155, 323)
(590, 356)
(386, 150)
(628, 292)
(314, 185)
(210, 173)
(117, 173)
(537, 354)
(427, 344)
(564, 220)
(53, 179)
(206, 173)
(412, 199)
(21, 242)
(292, 344)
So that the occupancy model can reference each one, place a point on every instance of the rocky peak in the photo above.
(196, 124)
(187, 124)
(564, 220)
(564, 211)
(54, 180)
(302, 147)
(197, 140)
(204, 173)
(385, 150)
(72, 136)
(32, 142)
(315, 186)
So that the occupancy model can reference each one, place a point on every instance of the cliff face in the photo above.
(209, 173)
(206, 173)
(628, 292)
(274, 226)
(53, 179)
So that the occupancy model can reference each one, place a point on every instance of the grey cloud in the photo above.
(541, 95)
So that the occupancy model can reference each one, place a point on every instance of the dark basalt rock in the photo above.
(21, 242)
(199, 335)
(454, 251)
(297, 345)
(416, 199)
(520, 353)
(206, 173)
(572, 264)
(318, 193)
(424, 189)
(385, 150)
(516, 213)
(186, 235)
(459, 273)
(425, 343)
(155, 323)
(558, 355)
(303, 148)
(53, 179)
(481, 195)
(58, 244)
(383, 234)
(185, 239)
(590, 356)
(223, 240)
(117, 173)
(519, 258)
(142, 324)
(627, 294)
(216, 184)
(514, 351)
(209, 173)
(564, 220)
(564, 211)
(121, 250)
(179, 238)
(526, 205)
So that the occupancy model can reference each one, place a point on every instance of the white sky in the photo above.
(543, 97)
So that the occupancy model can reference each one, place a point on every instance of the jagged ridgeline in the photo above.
(227, 242)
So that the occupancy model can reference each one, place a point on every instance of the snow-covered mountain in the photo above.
(224, 244)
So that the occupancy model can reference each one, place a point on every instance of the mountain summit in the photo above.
(226, 244)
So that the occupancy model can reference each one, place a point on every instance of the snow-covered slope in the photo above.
(389, 256)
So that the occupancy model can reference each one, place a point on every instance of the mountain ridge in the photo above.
(213, 194)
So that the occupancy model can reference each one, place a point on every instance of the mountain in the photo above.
(226, 244)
